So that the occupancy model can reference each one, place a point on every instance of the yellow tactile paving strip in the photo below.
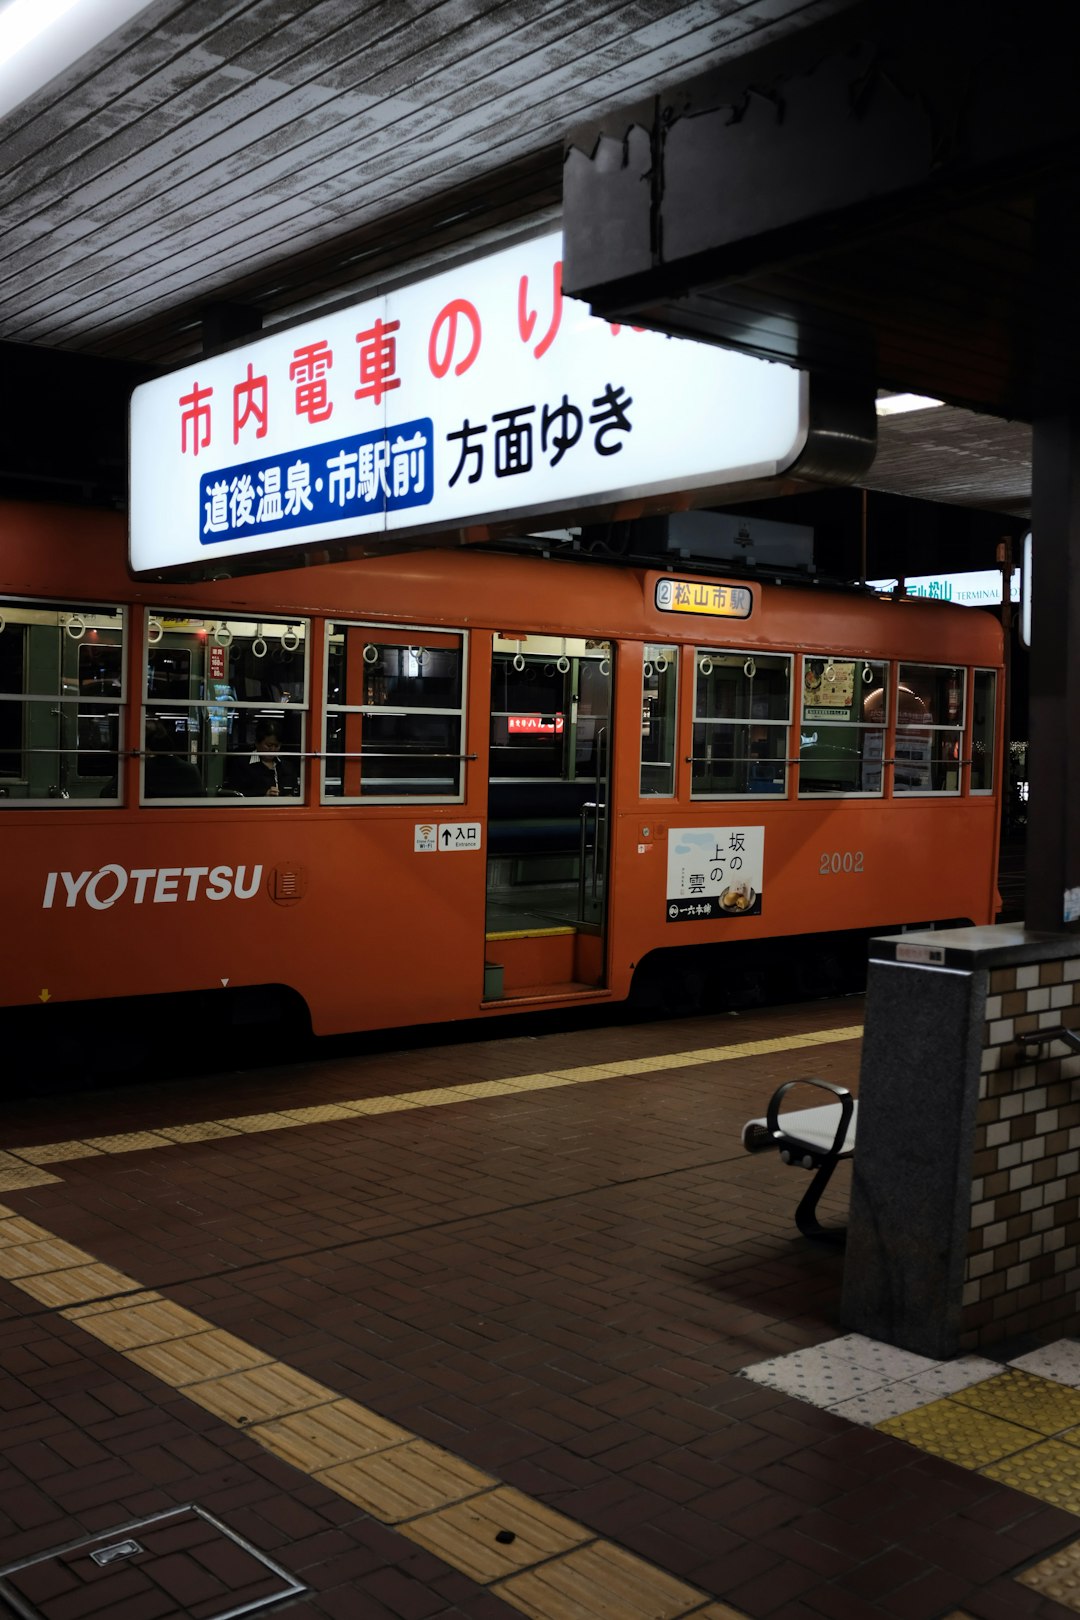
(1015, 1427)
(545, 1566)
(540, 1563)
(20, 1167)
(1057, 1577)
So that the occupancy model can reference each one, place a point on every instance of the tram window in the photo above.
(842, 736)
(225, 709)
(983, 716)
(658, 720)
(742, 711)
(394, 714)
(61, 700)
(929, 728)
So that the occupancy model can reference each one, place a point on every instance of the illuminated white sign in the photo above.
(982, 588)
(476, 395)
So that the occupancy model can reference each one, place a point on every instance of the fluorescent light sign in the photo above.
(981, 588)
(479, 395)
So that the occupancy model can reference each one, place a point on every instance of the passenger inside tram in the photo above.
(266, 774)
(166, 774)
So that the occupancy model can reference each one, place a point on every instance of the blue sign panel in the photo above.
(361, 476)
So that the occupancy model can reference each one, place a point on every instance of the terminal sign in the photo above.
(475, 395)
(715, 601)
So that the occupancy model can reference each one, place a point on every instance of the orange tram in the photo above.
(450, 784)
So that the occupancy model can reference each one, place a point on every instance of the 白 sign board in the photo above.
(476, 395)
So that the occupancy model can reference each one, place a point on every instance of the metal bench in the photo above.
(811, 1139)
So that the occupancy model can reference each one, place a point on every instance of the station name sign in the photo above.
(715, 601)
(477, 395)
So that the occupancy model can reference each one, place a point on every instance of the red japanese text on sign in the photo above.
(308, 371)
(195, 413)
(446, 321)
(378, 360)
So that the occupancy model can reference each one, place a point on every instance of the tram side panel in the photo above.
(364, 916)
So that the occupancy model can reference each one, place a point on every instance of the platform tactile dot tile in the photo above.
(961, 1434)
(1021, 1397)
(325, 1435)
(1057, 1577)
(1049, 1470)
(256, 1396)
(599, 1580)
(76, 1285)
(191, 1360)
(1060, 1361)
(406, 1481)
(466, 1535)
(378, 1105)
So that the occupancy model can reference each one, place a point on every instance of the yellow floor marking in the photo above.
(324, 1435)
(15, 1230)
(264, 1392)
(1019, 1397)
(320, 1114)
(208, 1131)
(249, 1123)
(353, 1451)
(52, 1254)
(55, 1152)
(13, 1160)
(1050, 1470)
(76, 1285)
(959, 1433)
(16, 1180)
(724, 1611)
(129, 1142)
(532, 933)
(1057, 1577)
(405, 1481)
(212, 1354)
(597, 1582)
(465, 1535)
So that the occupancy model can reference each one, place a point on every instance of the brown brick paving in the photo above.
(558, 1287)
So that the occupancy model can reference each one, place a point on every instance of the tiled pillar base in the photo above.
(965, 1206)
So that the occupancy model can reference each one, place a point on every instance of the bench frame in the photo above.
(821, 1155)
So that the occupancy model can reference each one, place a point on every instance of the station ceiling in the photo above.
(267, 157)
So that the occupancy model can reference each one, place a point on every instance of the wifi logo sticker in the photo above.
(425, 838)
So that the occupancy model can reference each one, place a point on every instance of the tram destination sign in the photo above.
(478, 395)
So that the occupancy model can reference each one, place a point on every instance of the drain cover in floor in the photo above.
(182, 1565)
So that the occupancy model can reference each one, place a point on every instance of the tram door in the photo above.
(548, 816)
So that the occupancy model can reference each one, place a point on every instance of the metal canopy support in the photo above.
(1053, 838)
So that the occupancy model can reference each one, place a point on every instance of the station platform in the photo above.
(499, 1328)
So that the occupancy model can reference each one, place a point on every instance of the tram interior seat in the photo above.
(534, 829)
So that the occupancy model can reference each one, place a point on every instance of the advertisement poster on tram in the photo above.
(714, 872)
(473, 395)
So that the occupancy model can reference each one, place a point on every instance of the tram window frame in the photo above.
(206, 717)
(22, 710)
(906, 730)
(987, 759)
(659, 665)
(759, 774)
(866, 765)
(407, 638)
